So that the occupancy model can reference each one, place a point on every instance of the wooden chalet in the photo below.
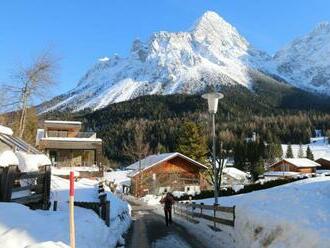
(299, 165)
(324, 162)
(167, 172)
(67, 146)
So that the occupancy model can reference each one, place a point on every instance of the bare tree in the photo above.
(30, 83)
(137, 149)
(220, 163)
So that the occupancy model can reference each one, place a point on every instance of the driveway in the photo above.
(149, 230)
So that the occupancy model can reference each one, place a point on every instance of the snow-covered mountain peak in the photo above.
(321, 28)
(213, 29)
(212, 53)
(305, 61)
(210, 18)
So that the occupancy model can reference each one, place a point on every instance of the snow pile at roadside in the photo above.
(86, 190)
(292, 215)
(21, 227)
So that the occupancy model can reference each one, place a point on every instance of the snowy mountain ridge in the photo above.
(305, 62)
(212, 53)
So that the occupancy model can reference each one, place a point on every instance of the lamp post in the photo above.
(212, 100)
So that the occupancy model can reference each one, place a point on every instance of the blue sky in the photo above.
(81, 31)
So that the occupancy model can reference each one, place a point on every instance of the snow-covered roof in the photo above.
(62, 122)
(299, 162)
(153, 160)
(235, 173)
(325, 158)
(17, 144)
(26, 162)
(31, 162)
(6, 130)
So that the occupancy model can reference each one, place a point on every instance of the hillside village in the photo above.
(148, 180)
(195, 139)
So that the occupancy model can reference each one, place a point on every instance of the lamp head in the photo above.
(212, 100)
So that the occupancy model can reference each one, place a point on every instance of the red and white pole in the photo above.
(71, 206)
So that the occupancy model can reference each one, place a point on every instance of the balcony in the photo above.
(68, 134)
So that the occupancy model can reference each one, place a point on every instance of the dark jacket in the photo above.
(168, 201)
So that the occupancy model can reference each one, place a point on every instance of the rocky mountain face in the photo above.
(211, 54)
(305, 62)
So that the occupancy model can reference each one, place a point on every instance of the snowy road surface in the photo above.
(149, 230)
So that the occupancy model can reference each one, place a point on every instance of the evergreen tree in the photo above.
(257, 169)
(301, 151)
(191, 141)
(309, 153)
(289, 153)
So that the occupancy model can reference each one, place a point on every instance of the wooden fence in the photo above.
(30, 188)
(104, 205)
(193, 211)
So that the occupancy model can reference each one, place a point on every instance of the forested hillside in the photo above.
(276, 112)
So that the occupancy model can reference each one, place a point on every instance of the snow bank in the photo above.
(31, 162)
(292, 215)
(21, 227)
(6, 130)
(8, 158)
(86, 190)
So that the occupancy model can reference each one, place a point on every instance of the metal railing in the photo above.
(66, 134)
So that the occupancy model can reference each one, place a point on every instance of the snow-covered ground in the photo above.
(119, 178)
(65, 171)
(319, 147)
(22, 227)
(292, 215)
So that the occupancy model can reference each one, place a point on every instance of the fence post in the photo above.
(234, 214)
(202, 204)
(192, 209)
(55, 206)
(2, 183)
(7, 181)
(181, 210)
(46, 187)
(214, 215)
(187, 217)
(107, 213)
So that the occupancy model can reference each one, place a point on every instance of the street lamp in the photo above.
(212, 100)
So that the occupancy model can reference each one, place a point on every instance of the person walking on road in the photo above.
(168, 201)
